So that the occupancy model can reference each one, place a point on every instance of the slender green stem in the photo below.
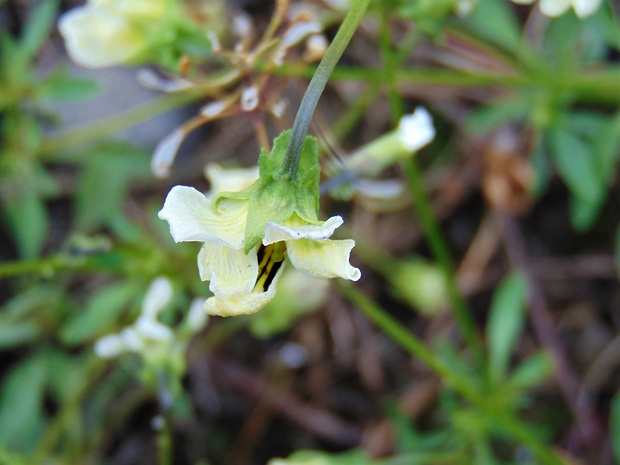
(44, 266)
(318, 82)
(416, 347)
(390, 64)
(440, 250)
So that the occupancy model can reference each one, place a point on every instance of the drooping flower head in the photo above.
(246, 235)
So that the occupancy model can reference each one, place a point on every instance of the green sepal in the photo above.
(242, 195)
(275, 196)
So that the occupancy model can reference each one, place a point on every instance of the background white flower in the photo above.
(553, 8)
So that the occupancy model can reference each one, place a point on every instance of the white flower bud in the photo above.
(157, 297)
(213, 109)
(152, 80)
(316, 45)
(416, 130)
(249, 98)
(166, 152)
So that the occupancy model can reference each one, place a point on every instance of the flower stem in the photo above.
(318, 82)
(440, 250)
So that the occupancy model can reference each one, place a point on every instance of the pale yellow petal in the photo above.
(554, 8)
(191, 218)
(242, 304)
(229, 179)
(277, 232)
(95, 38)
(230, 271)
(585, 8)
(323, 259)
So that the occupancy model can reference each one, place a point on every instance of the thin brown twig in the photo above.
(317, 421)
(587, 427)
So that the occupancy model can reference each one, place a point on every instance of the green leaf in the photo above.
(104, 182)
(562, 42)
(574, 161)
(607, 149)
(505, 322)
(495, 21)
(583, 213)
(67, 374)
(532, 371)
(15, 333)
(59, 86)
(486, 119)
(542, 168)
(311, 457)
(614, 425)
(100, 315)
(21, 404)
(26, 217)
(38, 28)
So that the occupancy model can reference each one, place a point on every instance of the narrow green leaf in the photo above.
(495, 21)
(59, 86)
(490, 117)
(583, 213)
(38, 28)
(21, 399)
(26, 217)
(607, 149)
(15, 333)
(532, 371)
(104, 181)
(505, 322)
(574, 161)
(100, 315)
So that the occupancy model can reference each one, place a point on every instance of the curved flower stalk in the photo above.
(246, 235)
(553, 8)
(160, 346)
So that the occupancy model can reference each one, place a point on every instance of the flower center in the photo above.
(270, 260)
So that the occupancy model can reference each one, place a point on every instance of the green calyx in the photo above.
(277, 195)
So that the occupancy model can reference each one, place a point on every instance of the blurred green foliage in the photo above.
(67, 292)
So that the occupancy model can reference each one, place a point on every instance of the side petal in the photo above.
(244, 303)
(230, 271)
(275, 232)
(585, 8)
(191, 218)
(157, 297)
(553, 8)
(323, 259)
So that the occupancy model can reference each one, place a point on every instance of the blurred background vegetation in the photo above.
(486, 326)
